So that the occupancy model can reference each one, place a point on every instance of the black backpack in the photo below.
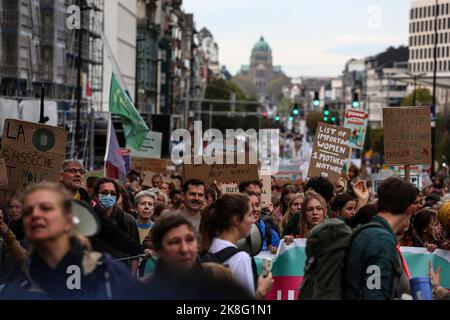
(223, 255)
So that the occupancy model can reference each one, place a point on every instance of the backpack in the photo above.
(223, 255)
(326, 250)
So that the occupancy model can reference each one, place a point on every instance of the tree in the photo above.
(423, 97)
(312, 121)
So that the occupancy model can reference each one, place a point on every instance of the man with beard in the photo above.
(71, 175)
(373, 265)
(194, 200)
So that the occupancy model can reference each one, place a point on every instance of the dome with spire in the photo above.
(261, 45)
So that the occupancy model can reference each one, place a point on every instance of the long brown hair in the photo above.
(288, 214)
(218, 216)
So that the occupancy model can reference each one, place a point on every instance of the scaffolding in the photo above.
(37, 48)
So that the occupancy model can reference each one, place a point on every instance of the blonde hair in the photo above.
(288, 214)
(65, 198)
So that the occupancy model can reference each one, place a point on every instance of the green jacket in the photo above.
(371, 249)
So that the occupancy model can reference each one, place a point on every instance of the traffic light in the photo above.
(333, 119)
(326, 113)
(355, 102)
(316, 101)
(291, 118)
(296, 110)
(277, 118)
(264, 114)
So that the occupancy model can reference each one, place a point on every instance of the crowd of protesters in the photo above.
(154, 237)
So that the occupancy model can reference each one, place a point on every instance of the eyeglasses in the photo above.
(105, 193)
(75, 171)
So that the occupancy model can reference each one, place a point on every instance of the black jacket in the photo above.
(112, 236)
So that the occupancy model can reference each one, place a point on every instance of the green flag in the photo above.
(134, 126)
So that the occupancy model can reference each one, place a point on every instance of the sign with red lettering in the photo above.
(356, 121)
(407, 135)
(32, 151)
(330, 152)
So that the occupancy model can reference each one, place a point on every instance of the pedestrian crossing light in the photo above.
(355, 102)
(316, 101)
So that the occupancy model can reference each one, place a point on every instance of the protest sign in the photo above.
(289, 169)
(407, 135)
(222, 173)
(147, 178)
(356, 121)
(151, 148)
(150, 164)
(95, 173)
(3, 174)
(33, 152)
(266, 190)
(330, 152)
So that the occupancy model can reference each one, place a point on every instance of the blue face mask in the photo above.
(108, 201)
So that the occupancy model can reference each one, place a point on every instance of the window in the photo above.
(441, 38)
(421, 26)
(445, 38)
(439, 24)
(446, 8)
(428, 39)
(444, 66)
(440, 66)
(447, 52)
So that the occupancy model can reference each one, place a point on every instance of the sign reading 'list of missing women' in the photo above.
(407, 135)
(330, 152)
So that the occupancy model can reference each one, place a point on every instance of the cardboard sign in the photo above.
(222, 173)
(330, 152)
(33, 152)
(3, 174)
(151, 148)
(95, 173)
(150, 164)
(407, 135)
(356, 121)
(147, 178)
(289, 170)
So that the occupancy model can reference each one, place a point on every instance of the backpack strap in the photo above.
(225, 254)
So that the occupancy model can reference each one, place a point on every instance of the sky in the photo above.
(307, 37)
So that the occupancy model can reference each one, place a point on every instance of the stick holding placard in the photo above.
(349, 160)
(407, 173)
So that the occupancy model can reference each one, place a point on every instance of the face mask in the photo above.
(108, 201)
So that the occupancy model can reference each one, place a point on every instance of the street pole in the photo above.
(433, 103)
(77, 126)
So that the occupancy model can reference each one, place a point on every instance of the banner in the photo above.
(289, 262)
(407, 135)
(356, 121)
(330, 152)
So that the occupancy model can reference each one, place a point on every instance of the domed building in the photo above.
(260, 71)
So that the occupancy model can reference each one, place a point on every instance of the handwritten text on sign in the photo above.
(32, 152)
(330, 151)
(407, 135)
(222, 173)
